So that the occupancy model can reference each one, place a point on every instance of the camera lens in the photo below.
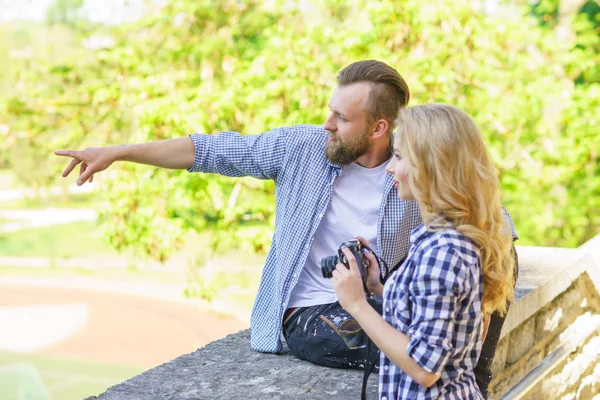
(328, 265)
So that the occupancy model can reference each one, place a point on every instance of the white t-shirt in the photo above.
(353, 212)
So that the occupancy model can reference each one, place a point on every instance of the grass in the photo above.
(81, 200)
(114, 274)
(236, 277)
(40, 377)
(43, 377)
(78, 239)
(81, 240)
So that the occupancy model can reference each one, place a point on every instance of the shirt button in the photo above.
(386, 367)
(306, 246)
(387, 309)
(384, 398)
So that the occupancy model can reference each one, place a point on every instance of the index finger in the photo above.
(372, 262)
(370, 257)
(67, 153)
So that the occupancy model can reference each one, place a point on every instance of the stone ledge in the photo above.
(528, 353)
(229, 369)
(543, 332)
(546, 272)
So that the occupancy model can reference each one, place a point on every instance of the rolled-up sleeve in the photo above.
(231, 154)
(440, 283)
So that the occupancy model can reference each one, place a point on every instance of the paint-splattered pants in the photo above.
(312, 334)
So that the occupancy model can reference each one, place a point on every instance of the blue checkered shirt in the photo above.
(294, 158)
(435, 298)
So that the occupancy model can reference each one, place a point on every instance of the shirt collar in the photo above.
(333, 165)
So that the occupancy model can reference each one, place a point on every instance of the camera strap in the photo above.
(369, 368)
(372, 363)
(383, 267)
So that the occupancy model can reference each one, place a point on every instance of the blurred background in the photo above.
(101, 282)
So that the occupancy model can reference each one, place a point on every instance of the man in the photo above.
(331, 186)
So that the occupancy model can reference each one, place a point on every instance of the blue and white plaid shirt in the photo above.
(435, 298)
(294, 158)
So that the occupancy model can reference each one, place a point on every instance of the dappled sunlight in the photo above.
(553, 322)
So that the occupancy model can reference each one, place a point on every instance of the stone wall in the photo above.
(550, 345)
(549, 348)
(228, 369)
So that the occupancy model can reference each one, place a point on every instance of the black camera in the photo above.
(328, 263)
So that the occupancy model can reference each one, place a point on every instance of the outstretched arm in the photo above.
(172, 154)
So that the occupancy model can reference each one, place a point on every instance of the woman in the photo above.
(459, 267)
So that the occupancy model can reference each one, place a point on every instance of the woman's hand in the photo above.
(348, 285)
(373, 281)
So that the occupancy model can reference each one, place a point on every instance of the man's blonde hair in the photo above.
(451, 174)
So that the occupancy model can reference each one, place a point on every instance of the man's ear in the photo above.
(379, 129)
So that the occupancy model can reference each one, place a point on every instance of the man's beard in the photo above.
(343, 153)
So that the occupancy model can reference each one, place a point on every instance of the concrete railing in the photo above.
(549, 348)
(550, 343)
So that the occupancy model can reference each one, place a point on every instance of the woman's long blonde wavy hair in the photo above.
(451, 175)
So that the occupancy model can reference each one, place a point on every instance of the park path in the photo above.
(137, 323)
(104, 326)
(20, 193)
(18, 219)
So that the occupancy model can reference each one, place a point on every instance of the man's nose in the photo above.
(329, 125)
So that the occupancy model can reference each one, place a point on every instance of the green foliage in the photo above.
(206, 66)
(57, 377)
(577, 23)
(66, 12)
(78, 239)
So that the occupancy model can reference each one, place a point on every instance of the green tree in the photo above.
(206, 66)
(66, 12)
